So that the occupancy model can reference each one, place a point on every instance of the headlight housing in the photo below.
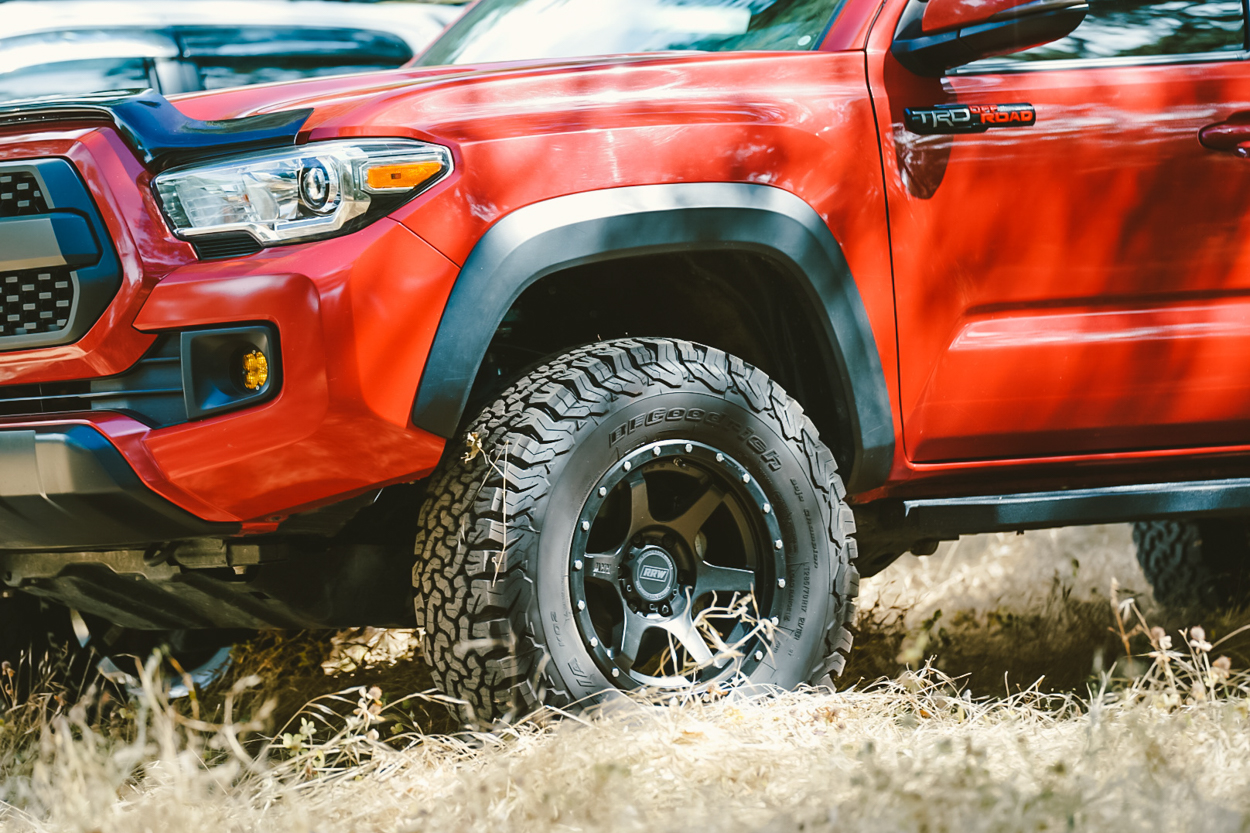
(310, 192)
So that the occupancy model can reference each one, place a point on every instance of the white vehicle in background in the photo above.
(68, 47)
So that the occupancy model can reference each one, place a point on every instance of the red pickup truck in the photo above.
(613, 355)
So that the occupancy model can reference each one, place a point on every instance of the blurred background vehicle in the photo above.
(68, 47)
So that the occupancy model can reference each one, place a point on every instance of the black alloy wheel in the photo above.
(672, 568)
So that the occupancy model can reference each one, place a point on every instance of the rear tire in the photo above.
(606, 502)
(1195, 563)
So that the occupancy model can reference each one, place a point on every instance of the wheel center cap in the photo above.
(655, 574)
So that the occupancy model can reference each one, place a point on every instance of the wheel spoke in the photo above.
(684, 631)
(713, 579)
(632, 629)
(688, 523)
(639, 504)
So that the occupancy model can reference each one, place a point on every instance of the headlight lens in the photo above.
(317, 190)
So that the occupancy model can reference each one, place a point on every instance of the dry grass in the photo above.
(1162, 747)
(1032, 607)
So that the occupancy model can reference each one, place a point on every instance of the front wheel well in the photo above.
(740, 302)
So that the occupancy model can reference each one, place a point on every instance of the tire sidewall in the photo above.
(728, 423)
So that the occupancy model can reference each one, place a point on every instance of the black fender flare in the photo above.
(595, 226)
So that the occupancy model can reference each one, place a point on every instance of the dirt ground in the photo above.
(989, 691)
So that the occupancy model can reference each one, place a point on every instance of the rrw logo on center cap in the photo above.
(660, 573)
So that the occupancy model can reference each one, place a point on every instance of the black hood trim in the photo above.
(157, 130)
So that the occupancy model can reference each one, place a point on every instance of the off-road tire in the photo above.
(499, 632)
(1195, 563)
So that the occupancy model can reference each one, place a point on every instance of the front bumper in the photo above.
(355, 317)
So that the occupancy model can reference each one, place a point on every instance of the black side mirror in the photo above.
(936, 35)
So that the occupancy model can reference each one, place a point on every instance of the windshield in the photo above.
(515, 30)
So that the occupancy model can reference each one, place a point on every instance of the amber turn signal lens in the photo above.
(255, 370)
(402, 176)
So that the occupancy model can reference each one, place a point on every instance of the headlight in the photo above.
(317, 190)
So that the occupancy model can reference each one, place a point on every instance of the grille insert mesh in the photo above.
(20, 195)
(35, 301)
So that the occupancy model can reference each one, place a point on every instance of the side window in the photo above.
(1135, 29)
(237, 56)
(71, 77)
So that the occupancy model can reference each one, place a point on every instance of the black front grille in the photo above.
(58, 268)
(151, 390)
(35, 301)
(20, 195)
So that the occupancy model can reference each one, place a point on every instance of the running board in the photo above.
(1076, 507)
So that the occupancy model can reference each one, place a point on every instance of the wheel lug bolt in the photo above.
(581, 605)
(594, 642)
(629, 588)
(689, 448)
(746, 478)
(616, 672)
(767, 508)
(637, 542)
(577, 565)
(759, 655)
(666, 610)
(781, 582)
(585, 526)
(778, 544)
(628, 465)
(656, 451)
(720, 458)
(603, 491)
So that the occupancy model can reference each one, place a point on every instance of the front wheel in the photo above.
(636, 514)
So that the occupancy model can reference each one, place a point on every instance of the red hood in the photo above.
(456, 102)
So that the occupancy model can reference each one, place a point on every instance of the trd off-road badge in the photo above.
(967, 118)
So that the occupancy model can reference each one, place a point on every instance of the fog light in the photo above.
(225, 368)
(255, 370)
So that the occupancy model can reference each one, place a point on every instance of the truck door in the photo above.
(1075, 279)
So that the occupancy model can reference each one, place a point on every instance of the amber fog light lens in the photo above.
(255, 370)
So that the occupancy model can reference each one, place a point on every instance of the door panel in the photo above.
(1081, 285)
